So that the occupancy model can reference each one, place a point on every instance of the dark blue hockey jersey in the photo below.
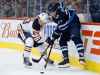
(65, 20)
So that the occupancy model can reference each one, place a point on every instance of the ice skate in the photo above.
(64, 64)
(27, 61)
(82, 62)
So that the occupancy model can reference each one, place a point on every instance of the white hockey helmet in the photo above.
(44, 17)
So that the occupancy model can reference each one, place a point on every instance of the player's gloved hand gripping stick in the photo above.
(50, 42)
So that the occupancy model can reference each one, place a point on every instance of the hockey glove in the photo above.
(50, 41)
(36, 44)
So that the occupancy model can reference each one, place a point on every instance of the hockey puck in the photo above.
(42, 72)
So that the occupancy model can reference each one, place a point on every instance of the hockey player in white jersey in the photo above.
(29, 33)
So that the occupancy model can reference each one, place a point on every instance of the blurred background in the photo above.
(87, 10)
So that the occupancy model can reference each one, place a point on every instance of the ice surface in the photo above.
(11, 64)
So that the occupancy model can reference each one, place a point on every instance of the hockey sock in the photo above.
(80, 49)
(26, 56)
(27, 52)
(65, 55)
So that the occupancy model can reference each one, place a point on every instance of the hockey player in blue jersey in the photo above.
(68, 28)
(29, 33)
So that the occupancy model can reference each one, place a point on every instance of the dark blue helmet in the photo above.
(52, 7)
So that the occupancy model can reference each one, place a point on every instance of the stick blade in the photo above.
(35, 60)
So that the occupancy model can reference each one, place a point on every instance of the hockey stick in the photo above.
(45, 66)
(37, 60)
(21, 32)
(48, 57)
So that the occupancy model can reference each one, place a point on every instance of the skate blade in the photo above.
(63, 66)
(28, 67)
